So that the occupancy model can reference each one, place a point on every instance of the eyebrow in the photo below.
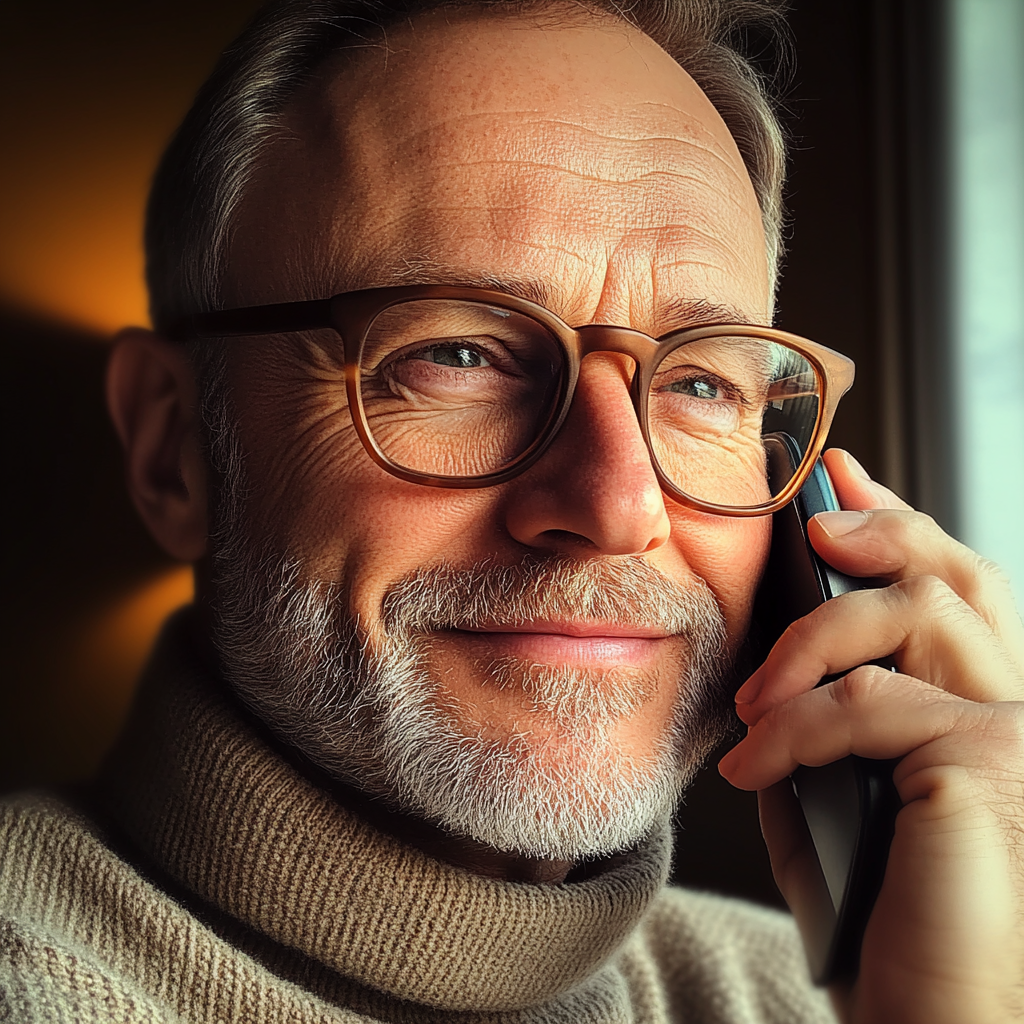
(678, 314)
(672, 314)
(533, 289)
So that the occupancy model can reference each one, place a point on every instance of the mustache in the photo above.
(630, 592)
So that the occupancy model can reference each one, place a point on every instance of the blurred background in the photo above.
(906, 251)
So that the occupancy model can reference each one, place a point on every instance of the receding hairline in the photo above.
(352, 63)
(355, 73)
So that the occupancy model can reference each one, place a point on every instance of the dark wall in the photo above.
(74, 545)
(89, 93)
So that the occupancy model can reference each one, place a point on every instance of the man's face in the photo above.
(576, 164)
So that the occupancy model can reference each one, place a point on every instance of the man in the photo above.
(475, 570)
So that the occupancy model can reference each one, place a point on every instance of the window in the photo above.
(986, 54)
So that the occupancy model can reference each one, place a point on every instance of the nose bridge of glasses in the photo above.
(610, 338)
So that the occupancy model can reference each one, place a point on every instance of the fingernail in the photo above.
(839, 524)
(857, 467)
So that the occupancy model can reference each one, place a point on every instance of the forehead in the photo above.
(577, 153)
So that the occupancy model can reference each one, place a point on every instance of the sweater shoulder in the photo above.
(85, 938)
(50, 979)
(42, 838)
(720, 959)
(47, 973)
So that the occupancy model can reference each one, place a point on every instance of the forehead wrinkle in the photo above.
(659, 177)
(504, 228)
(372, 151)
(646, 143)
(661, 155)
(393, 265)
(534, 118)
(689, 231)
(650, 238)
(635, 156)
(372, 265)
(660, 192)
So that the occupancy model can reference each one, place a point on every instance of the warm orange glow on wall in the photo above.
(89, 96)
(90, 93)
(104, 664)
(72, 246)
(116, 644)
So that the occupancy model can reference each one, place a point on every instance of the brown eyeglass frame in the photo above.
(351, 314)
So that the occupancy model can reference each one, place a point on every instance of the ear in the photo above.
(153, 401)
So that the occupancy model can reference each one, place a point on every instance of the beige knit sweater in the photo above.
(203, 878)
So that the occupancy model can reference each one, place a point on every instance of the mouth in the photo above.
(568, 627)
(584, 644)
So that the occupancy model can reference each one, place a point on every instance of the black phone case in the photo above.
(849, 807)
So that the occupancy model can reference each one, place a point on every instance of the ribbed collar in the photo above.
(195, 786)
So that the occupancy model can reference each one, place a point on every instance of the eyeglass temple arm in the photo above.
(280, 318)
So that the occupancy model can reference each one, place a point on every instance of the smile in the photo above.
(586, 644)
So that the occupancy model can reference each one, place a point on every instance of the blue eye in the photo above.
(697, 387)
(455, 355)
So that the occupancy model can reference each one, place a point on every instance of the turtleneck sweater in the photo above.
(205, 877)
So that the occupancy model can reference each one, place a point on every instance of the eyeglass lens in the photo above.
(463, 389)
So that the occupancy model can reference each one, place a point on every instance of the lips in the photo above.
(585, 644)
(551, 627)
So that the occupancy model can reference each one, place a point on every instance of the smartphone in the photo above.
(847, 808)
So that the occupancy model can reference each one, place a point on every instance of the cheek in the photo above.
(299, 448)
(317, 495)
(393, 528)
(729, 555)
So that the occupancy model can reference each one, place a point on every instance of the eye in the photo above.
(707, 387)
(461, 356)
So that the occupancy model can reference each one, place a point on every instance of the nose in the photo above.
(594, 490)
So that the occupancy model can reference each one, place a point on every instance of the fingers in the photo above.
(932, 634)
(898, 546)
(896, 543)
(870, 711)
(854, 488)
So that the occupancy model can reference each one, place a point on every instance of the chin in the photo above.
(551, 792)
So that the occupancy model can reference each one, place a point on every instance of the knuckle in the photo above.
(909, 526)
(926, 591)
(985, 587)
(807, 632)
(801, 631)
(992, 573)
(861, 687)
(1004, 722)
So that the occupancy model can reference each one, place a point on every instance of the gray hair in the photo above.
(204, 173)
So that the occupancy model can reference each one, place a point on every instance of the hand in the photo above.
(945, 942)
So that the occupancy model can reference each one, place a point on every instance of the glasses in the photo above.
(467, 387)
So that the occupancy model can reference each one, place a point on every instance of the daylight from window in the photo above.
(988, 216)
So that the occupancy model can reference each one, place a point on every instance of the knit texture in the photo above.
(205, 878)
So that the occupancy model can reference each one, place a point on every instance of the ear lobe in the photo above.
(153, 401)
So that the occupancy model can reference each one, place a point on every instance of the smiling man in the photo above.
(457, 400)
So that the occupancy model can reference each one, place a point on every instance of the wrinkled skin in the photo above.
(580, 157)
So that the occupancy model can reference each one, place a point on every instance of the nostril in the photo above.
(568, 539)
